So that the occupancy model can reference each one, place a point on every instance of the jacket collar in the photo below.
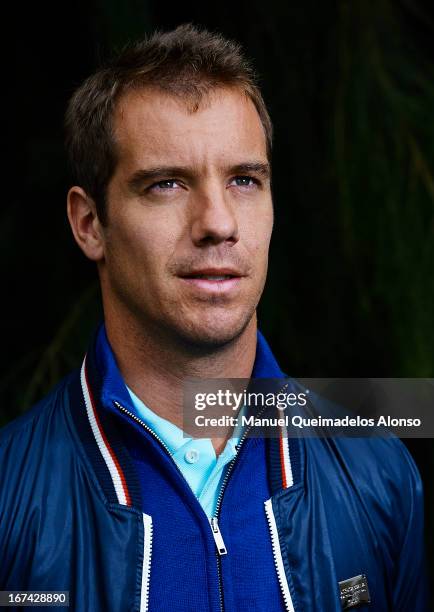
(102, 386)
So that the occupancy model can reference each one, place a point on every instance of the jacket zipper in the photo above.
(215, 529)
(218, 538)
(214, 521)
(147, 556)
(277, 555)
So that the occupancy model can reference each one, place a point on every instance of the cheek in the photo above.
(144, 245)
(258, 234)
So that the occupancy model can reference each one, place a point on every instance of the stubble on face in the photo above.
(178, 205)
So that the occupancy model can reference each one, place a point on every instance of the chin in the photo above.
(213, 334)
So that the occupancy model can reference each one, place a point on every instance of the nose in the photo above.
(213, 218)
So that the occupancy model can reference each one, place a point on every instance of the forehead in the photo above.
(153, 127)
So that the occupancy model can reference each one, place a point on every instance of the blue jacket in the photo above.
(92, 503)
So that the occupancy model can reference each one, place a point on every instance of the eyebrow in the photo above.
(145, 175)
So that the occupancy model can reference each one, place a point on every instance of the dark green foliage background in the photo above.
(350, 87)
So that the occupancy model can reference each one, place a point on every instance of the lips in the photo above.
(217, 274)
(215, 281)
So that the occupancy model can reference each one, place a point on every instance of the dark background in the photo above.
(350, 87)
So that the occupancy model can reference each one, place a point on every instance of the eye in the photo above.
(245, 181)
(166, 185)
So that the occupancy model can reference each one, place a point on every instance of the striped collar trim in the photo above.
(113, 466)
(286, 459)
(102, 437)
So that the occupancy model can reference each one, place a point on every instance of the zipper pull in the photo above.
(218, 538)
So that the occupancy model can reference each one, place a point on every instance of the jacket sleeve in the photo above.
(410, 589)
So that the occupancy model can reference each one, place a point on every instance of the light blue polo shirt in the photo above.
(195, 457)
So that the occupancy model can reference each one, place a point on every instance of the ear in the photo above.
(85, 224)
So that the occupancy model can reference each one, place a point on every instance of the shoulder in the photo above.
(379, 472)
(37, 412)
(373, 465)
(25, 441)
(379, 459)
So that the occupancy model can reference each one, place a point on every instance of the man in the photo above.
(101, 494)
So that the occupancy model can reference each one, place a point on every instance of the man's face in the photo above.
(189, 215)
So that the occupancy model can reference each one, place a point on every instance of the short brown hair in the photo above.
(186, 62)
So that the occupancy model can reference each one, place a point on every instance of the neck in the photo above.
(155, 366)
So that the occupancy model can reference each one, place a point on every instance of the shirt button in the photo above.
(192, 455)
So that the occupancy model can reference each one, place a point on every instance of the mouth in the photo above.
(213, 280)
